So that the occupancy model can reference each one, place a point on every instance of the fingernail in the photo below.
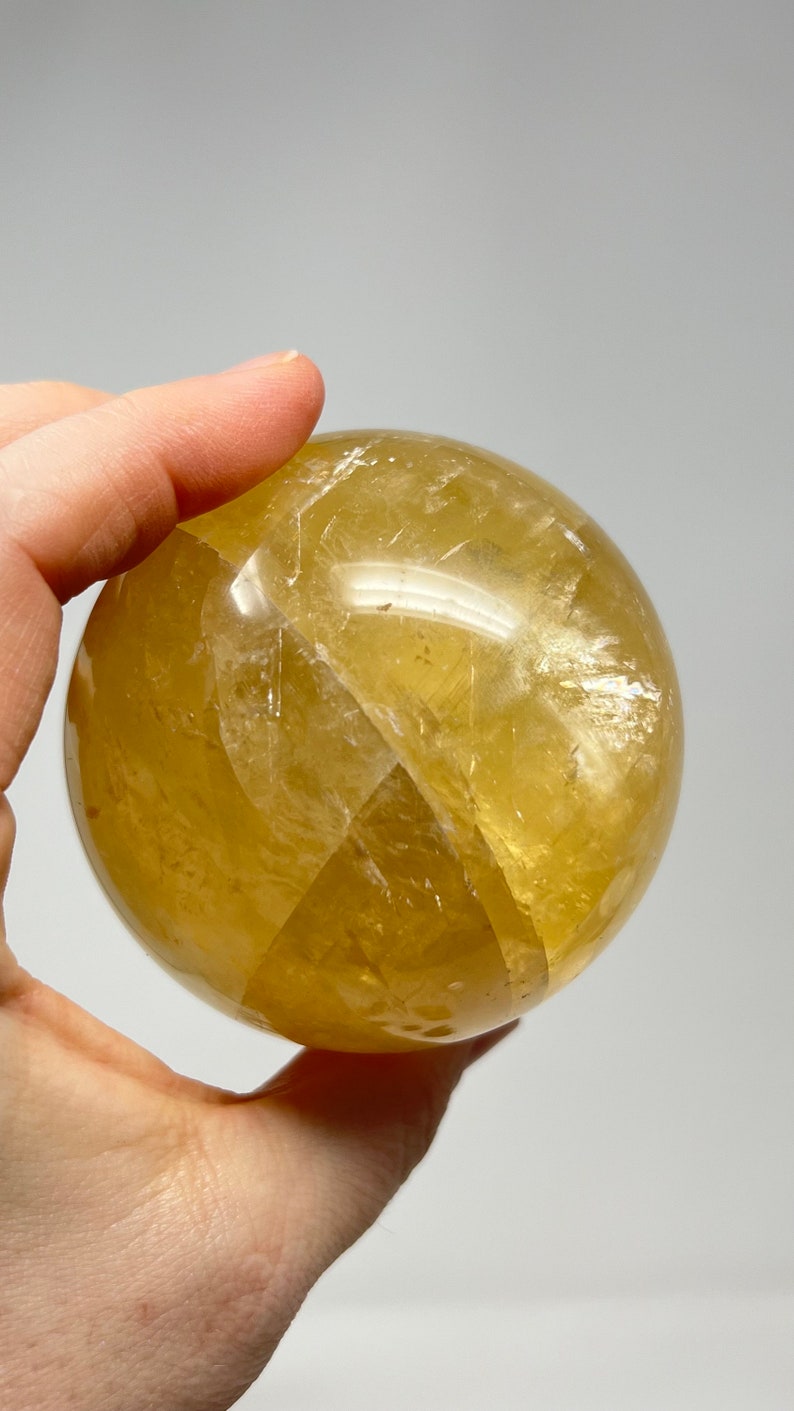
(267, 361)
(486, 1042)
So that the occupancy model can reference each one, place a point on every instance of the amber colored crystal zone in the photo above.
(382, 753)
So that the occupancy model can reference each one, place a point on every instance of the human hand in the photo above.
(158, 1235)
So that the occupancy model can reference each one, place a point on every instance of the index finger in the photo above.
(25, 406)
(88, 496)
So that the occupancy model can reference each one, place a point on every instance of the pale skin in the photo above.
(158, 1235)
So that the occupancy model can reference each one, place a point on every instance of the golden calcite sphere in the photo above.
(382, 753)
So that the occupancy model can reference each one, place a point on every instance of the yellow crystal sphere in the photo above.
(382, 753)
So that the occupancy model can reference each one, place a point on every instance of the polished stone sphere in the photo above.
(383, 752)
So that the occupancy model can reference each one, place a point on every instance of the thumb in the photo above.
(350, 1129)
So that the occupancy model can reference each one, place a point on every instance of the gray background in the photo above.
(561, 231)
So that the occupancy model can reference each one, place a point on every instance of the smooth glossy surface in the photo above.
(382, 753)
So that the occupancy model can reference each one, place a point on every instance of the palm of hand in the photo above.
(157, 1235)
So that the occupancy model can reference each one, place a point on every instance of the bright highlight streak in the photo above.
(409, 590)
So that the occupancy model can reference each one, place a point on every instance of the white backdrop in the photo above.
(563, 232)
